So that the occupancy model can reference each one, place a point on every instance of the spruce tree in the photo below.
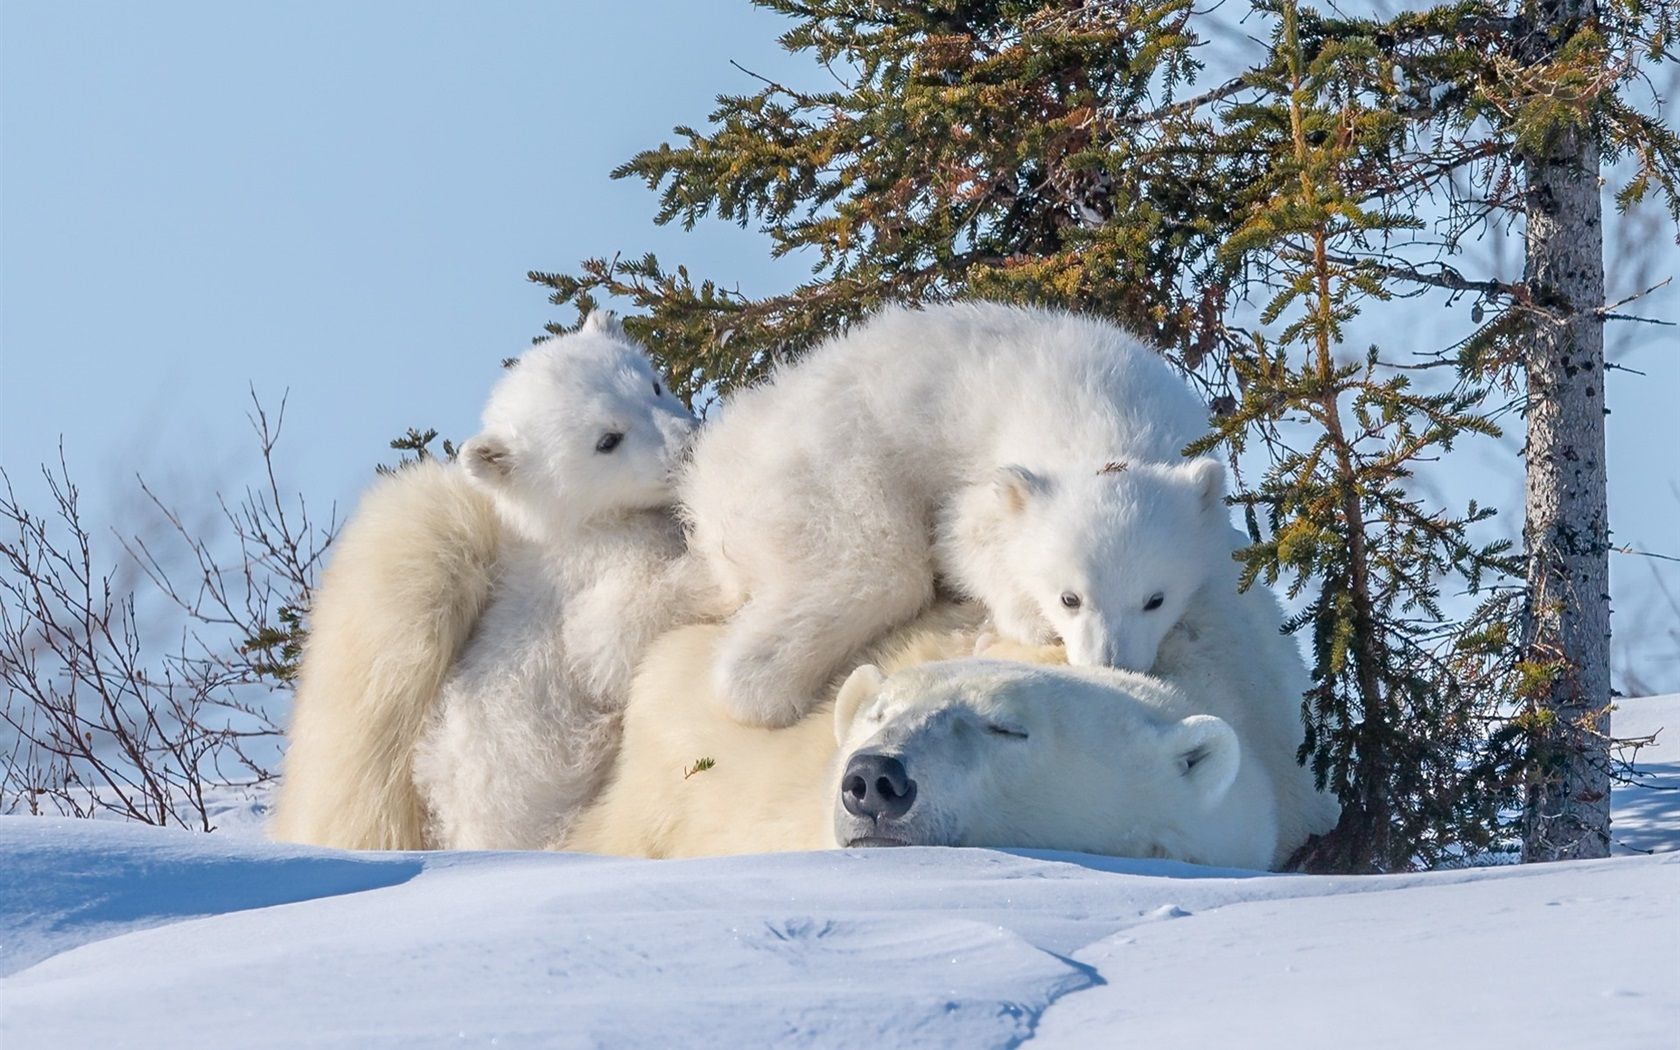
(1065, 153)
(1566, 530)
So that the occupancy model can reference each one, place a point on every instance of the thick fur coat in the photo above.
(474, 637)
(1029, 459)
(764, 786)
(1004, 752)
(410, 575)
(1229, 654)
(981, 752)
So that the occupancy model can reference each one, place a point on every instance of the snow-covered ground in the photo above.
(115, 935)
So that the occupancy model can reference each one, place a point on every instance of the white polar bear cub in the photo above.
(578, 451)
(473, 638)
(1016, 438)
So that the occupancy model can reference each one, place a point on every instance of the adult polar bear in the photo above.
(955, 752)
(1029, 458)
(474, 636)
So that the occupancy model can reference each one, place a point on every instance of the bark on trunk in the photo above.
(1566, 528)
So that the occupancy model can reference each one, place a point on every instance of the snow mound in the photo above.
(113, 934)
(1646, 814)
(67, 882)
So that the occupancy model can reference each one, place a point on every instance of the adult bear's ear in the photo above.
(487, 459)
(1206, 478)
(1205, 751)
(1015, 484)
(862, 686)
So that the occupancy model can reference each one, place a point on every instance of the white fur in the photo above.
(1133, 546)
(1226, 650)
(769, 789)
(1089, 759)
(1229, 653)
(536, 454)
(1156, 530)
(1097, 773)
(573, 565)
(410, 574)
(814, 501)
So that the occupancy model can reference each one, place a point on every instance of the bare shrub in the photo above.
(102, 718)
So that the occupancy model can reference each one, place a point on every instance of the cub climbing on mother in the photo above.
(1029, 459)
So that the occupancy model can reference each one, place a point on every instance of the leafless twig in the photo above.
(96, 718)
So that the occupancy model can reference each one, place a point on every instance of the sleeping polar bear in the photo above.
(984, 752)
(959, 751)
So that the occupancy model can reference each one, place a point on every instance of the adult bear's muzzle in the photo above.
(877, 791)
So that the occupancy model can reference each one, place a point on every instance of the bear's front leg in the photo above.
(1018, 621)
(611, 623)
(780, 651)
(603, 636)
(757, 682)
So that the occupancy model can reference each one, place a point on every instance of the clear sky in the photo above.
(341, 200)
(338, 199)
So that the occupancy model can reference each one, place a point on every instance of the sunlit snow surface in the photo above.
(115, 935)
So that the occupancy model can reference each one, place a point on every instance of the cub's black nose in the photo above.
(876, 786)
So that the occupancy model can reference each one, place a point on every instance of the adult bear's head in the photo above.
(580, 426)
(993, 753)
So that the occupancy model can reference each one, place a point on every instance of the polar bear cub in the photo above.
(1107, 561)
(579, 446)
(473, 639)
(972, 443)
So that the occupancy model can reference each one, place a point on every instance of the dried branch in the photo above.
(98, 719)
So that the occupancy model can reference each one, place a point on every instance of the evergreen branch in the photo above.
(1636, 317)
(798, 96)
(1625, 549)
(1035, 153)
(1449, 278)
(1421, 178)
(1188, 105)
(1608, 310)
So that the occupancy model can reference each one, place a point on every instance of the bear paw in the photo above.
(755, 684)
(993, 647)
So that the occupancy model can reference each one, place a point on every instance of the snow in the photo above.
(1646, 814)
(113, 934)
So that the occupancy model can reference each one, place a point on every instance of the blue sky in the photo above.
(342, 200)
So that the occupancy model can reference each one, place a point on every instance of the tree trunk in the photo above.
(1566, 528)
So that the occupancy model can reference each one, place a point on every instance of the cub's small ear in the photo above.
(861, 686)
(1015, 485)
(1207, 755)
(603, 321)
(1207, 478)
(487, 459)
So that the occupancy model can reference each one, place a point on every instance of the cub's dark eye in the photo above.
(1071, 600)
(609, 441)
(1154, 602)
(1008, 731)
(658, 391)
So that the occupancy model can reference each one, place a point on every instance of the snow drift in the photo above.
(120, 935)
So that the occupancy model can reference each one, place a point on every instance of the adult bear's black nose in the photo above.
(876, 786)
